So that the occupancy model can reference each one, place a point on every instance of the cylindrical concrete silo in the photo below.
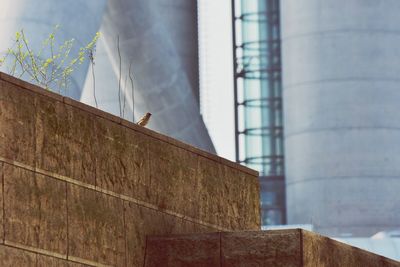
(159, 38)
(78, 19)
(341, 79)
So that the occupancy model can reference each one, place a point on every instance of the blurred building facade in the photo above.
(146, 61)
(258, 100)
(340, 94)
(216, 64)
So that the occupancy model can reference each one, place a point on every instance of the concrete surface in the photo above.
(341, 80)
(287, 248)
(82, 185)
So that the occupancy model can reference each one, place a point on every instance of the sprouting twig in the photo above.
(34, 66)
(46, 72)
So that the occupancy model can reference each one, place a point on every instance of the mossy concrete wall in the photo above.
(286, 248)
(82, 186)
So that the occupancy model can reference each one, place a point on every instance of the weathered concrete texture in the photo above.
(152, 223)
(289, 248)
(122, 161)
(2, 203)
(81, 185)
(11, 257)
(44, 261)
(63, 140)
(17, 124)
(35, 210)
(189, 250)
(322, 251)
(340, 80)
(95, 226)
(260, 248)
(97, 151)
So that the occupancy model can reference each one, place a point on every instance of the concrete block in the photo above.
(1, 203)
(64, 140)
(44, 261)
(122, 162)
(244, 197)
(95, 226)
(322, 251)
(225, 193)
(35, 210)
(193, 250)
(29, 86)
(17, 124)
(11, 257)
(213, 192)
(140, 222)
(173, 178)
(260, 249)
(286, 248)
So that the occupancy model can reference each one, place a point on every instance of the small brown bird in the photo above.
(144, 120)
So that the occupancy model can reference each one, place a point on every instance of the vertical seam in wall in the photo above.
(125, 233)
(149, 162)
(95, 171)
(3, 199)
(34, 133)
(220, 249)
(66, 204)
(301, 248)
(39, 204)
(145, 252)
(35, 121)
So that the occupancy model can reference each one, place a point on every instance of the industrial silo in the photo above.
(341, 80)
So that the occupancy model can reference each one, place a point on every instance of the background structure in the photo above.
(339, 65)
(81, 185)
(339, 70)
(258, 100)
(341, 101)
(152, 36)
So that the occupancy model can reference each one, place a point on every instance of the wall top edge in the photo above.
(68, 101)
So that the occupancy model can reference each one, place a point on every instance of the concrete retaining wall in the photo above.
(289, 248)
(80, 185)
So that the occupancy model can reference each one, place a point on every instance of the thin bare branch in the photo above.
(120, 76)
(132, 88)
(94, 86)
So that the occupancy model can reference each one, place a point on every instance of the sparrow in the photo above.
(144, 120)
